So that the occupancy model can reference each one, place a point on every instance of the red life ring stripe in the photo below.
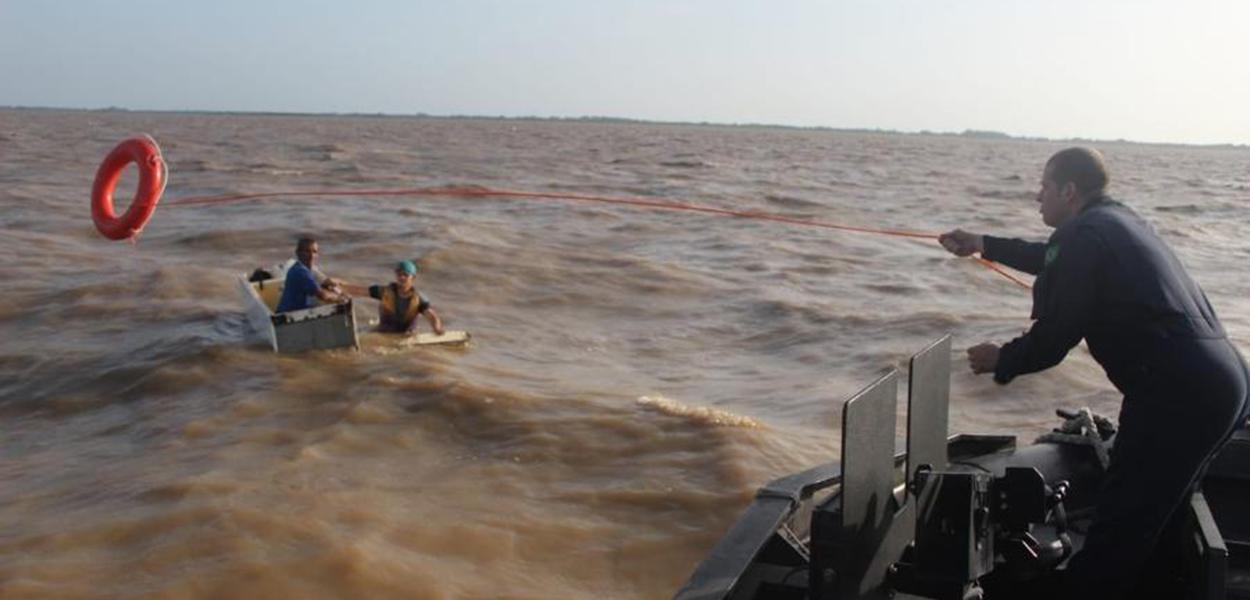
(144, 152)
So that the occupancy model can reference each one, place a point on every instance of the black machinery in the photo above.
(959, 518)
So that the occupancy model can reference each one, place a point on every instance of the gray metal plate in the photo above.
(868, 422)
(928, 407)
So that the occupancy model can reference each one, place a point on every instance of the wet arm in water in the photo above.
(435, 322)
(358, 291)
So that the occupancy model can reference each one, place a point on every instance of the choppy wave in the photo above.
(702, 414)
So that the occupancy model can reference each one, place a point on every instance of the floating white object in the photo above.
(427, 339)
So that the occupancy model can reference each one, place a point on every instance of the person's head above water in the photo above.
(1072, 178)
(405, 273)
(306, 250)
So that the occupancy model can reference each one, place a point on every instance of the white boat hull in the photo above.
(317, 328)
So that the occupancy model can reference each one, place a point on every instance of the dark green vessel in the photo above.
(959, 518)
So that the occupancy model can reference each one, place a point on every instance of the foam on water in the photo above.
(703, 414)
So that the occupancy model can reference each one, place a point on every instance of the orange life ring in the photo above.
(144, 152)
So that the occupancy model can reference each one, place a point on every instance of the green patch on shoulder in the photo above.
(1052, 252)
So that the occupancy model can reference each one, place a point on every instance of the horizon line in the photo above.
(966, 133)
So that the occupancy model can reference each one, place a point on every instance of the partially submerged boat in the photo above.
(962, 517)
(318, 328)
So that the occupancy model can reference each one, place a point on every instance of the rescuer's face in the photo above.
(1057, 202)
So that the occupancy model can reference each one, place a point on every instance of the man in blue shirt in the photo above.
(301, 289)
(1106, 277)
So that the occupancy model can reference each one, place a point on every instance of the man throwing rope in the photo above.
(1106, 277)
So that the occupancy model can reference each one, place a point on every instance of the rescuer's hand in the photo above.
(983, 358)
(962, 243)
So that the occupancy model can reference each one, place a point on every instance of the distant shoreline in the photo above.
(967, 133)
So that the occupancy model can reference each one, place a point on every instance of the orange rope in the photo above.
(995, 267)
(487, 192)
(477, 192)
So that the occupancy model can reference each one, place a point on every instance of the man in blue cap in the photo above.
(401, 303)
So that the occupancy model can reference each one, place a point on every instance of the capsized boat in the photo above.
(960, 518)
(321, 327)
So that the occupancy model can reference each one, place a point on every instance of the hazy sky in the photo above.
(1144, 70)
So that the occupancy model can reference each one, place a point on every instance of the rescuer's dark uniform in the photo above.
(1107, 277)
